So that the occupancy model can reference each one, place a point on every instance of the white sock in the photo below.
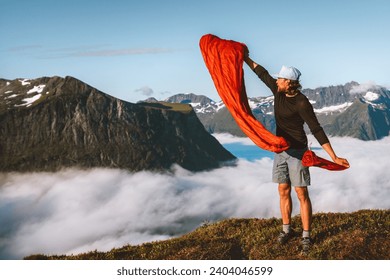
(286, 228)
(306, 234)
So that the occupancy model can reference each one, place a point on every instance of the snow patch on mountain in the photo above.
(371, 96)
(374, 99)
(334, 108)
(29, 101)
(220, 105)
(25, 82)
(252, 104)
(37, 89)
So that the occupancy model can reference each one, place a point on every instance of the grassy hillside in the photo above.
(360, 235)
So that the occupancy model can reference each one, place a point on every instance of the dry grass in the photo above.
(337, 236)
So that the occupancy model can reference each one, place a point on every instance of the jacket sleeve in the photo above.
(306, 111)
(267, 79)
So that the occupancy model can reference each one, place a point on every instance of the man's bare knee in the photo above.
(284, 190)
(302, 193)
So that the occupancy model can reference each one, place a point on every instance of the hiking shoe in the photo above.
(306, 243)
(285, 236)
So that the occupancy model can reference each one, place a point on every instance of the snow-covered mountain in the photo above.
(357, 110)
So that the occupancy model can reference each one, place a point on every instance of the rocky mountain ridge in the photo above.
(53, 122)
(357, 110)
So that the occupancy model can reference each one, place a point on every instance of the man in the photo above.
(293, 109)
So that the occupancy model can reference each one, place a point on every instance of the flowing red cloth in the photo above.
(224, 60)
(311, 159)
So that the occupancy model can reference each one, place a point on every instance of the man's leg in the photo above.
(285, 203)
(280, 175)
(306, 216)
(305, 207)
(285, 209)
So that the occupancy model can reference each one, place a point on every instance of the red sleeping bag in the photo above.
(311, 159)
(224, 60)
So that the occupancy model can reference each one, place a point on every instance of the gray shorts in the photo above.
(288, 168)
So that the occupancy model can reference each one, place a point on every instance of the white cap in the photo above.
(289, 73)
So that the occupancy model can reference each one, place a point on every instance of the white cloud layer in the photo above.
(75, 211)
(363, 88)
(227, 138)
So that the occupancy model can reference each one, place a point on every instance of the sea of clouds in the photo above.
(76, 211)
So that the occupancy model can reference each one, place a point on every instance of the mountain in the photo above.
(359, 111)
(361, 235)
(53, 122)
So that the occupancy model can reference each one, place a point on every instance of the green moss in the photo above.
(178, 107)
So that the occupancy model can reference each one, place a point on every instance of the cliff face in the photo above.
(50, 123)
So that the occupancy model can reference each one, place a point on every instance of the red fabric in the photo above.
(224, 60)
(311, 159)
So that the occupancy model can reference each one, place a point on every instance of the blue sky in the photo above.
(135, 49)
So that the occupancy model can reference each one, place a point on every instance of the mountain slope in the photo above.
(51, 123)
(359, 111)
(360, 235)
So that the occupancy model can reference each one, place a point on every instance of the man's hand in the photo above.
(248, 60)
(246, 52)
(342, 161)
